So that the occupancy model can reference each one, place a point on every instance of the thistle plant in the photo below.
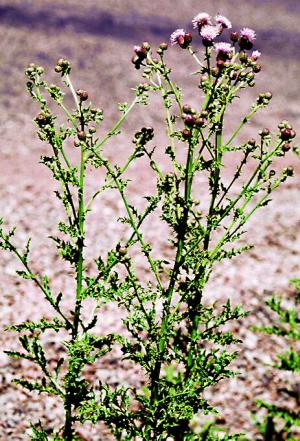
(174, 334)
(282, 422)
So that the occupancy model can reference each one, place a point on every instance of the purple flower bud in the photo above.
(189, 120)
(234, 37)
(186, 133)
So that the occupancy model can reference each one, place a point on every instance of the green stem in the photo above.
(36, 280)
(241, 125)
(176, 268)
(79, 267)
(217, 160)
(122, 170)
(116, 126)
(134, 224)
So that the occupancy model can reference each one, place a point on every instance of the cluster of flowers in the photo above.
(209, 32)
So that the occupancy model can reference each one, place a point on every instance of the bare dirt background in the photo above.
(97, 37)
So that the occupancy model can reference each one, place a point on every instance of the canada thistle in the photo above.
(173, 334)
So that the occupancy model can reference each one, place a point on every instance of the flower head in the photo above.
(247, 38)
(248, 34)
(255, 55)
(137, 48)
(223, 21)
(201, 20)
(208, 34)
(182, 38)
(177, 34)
(223, 48)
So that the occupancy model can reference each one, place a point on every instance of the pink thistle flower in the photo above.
(255, 55)
(223, 21)
(181, 37)
(248, 34)
(179, 33)
(208, 34)
(223, 48)
(138, 49)
(201, 20)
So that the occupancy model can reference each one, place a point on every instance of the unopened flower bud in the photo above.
(252, 142)
(268, 95)
(265, 132)
(83, 95)
(187, 108)
(92, 129)
(186, 133)
(163, 46)
(284, 124)
(233, 75)
(40, 119)
(63, 66)
(141, 53)
(81, 135)
(214, 71)
(286, 134)
(234, 37)
(289, 171)
(286, 147)
(189, 120)
(256, 68)
(250, 76)
(220, 64)
(122, 252)
(40, 70)
(188, 38)
(200, 122)
(244, 58)
(146, 46)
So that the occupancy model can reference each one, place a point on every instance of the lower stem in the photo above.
(68, 429)
(169, 292)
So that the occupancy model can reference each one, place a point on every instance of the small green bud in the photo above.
(264, 132)
(187, 109)
(92, 129)
(256, 68)
(252, 142)
(146, 46)
(163, 46)
(268, 95)
(289, 171)
(40, 70)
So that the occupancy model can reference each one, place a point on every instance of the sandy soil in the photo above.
(98, 37)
